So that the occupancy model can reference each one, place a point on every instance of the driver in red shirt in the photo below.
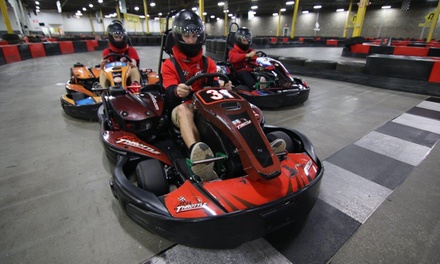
(189, 36)
(118, 44)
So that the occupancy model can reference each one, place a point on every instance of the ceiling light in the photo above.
(37, 3)
(100, 1)
(282, 9)
(91, 5)
(340, 10)
(317, 7)
(254, 7)
(305, 12)
(221, 3)
(290, 2)
(274, 14)
(153, 4)
(386, 7)
(136, 8)
(84, 9)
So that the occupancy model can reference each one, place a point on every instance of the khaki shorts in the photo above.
(174, 116)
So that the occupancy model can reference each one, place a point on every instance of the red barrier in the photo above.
(435, 73)
(301, 39)
(359, 48)
(66, 47)
(273, 40)
(285, 40)
(3, 42)
(411, 51)
(11, 53)
(37, 50)
(91, 44)
(332, 42)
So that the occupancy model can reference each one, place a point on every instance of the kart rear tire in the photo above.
(150, 176)
(280, 134)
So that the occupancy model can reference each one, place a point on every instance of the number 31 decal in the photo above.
(220, 94)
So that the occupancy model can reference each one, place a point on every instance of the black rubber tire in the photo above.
(150, 176)
(280, 134)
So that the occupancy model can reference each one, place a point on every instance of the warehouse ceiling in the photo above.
(211, 7)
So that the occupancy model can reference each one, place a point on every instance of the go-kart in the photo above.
(83, 97)
(257, 190)
(280, 88)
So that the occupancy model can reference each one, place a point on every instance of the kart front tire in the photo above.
(280, 134)
(150, 176)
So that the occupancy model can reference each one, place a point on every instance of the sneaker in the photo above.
(278, 145)
(262, 82)
(205, 171)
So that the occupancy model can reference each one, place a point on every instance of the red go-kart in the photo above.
(257, 190)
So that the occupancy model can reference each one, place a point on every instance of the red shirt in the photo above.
(190, 67)
(128, 50)
(239, 61)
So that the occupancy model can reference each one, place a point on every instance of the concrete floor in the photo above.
(56, 205)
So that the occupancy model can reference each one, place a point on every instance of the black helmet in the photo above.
(243, 33)
(116, 28)
(186, 21)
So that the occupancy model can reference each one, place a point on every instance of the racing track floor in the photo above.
(379, 202)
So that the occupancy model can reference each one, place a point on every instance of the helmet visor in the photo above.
(117, 34)
(247, 36)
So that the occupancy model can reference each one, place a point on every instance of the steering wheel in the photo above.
(203, 76)
(261, 54)
(206, 75)
(115, 55)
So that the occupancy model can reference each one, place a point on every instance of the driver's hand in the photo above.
(132, 64)
(103, 63)
(228, 86)
(182, 90)
(251, 54)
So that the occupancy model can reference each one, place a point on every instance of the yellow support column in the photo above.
(357, 29)
(147, 25)
(433, 23)
(102, 22)
(348, 19)
(202, 9)
(118, 12)
(279, 23)
(295, 14)
(91, 23)
(226, 23)
(6, 16)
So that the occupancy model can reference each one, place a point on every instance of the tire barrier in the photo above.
(66, 47)
(19, 52)
(320, 64)
(2, 58)
(25, 52)
(80, 46)
(363, 50)
(417, 68)
(298, 61)
(350, 67)
(11, 53)
(37, 50)
(52, 48)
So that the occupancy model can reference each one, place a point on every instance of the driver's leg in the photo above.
(185, 119)
(135, 76)
(198, 150)
(103, 79)
(247, 78)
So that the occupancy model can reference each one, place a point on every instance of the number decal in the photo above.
(219, 94)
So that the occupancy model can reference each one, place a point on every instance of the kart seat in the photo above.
(169, 43)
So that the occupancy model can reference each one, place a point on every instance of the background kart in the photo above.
(282, 89)
(83, 97)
